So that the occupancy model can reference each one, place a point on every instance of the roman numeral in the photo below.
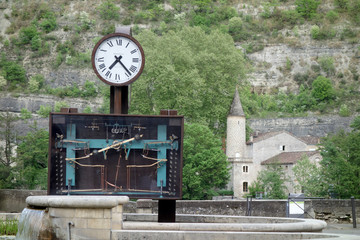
(108, 74)
(103, 50)
(117, 77)
(133, 68)
(101, 59)
(101, 66)
(119, 42)
(110, 43)
(135, 60)
(127, 45)
(127, 74)
(133, 51)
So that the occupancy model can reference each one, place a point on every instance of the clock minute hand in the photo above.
(124, 66)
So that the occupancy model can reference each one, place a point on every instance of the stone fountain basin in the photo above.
(185, 222)
(206, 227)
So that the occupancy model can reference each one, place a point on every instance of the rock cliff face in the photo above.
(32, 103)
(302, 127)
(276, 65)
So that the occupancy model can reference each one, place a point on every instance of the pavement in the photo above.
(337, 228)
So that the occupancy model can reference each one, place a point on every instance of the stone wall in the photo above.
(333, 210)
(13, 201)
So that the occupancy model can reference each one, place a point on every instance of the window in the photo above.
(245, 168)
(282, 147)
(245, 187)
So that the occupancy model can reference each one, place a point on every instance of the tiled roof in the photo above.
(310, 140)
(288, 157)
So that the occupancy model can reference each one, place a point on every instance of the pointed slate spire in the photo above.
(236, 107)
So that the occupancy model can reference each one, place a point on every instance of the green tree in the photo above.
(205, 163)
(7, 134)
(32, 158)
(272, 180)
(322, 89)
(341, 162)
(309, 177)
(191, 71)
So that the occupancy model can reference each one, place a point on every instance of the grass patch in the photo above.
(9, 227)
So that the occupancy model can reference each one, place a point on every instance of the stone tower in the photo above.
(236, 144)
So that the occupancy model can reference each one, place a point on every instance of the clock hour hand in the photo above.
(115, 62)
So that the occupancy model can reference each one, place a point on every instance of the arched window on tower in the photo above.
(245, 187)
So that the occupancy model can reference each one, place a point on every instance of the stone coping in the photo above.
(227, 224)
(76, 201)
(206, 235)
(306, 226)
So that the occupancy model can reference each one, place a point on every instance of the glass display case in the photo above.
(137, 156)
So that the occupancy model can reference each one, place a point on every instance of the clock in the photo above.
(118, 59)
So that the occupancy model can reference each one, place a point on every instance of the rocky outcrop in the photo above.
(277, 64)
(303, 126)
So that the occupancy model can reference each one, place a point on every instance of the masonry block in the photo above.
(98, 224)
(89, 213)
(61, 212)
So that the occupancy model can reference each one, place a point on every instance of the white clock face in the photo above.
(118, 59)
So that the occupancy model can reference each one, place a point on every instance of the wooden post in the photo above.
(119, 103)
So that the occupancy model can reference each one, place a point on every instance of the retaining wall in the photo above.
(333, 210)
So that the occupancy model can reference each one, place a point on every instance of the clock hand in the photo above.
(124, 66)
(114, 63)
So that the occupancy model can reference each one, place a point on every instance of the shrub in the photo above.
(327, 65)
(342, 4)
(89, 90)
(315, 32)
(36, 82)
(348, 33)
(109, 11)
(25, 114)
(26, 34)
(14, 73)
(318, 33)
(79, 59)
(85, 22)
(322, 89)
(59, 105)
(35, 43)
(344, 111)
(332, 16)
(307, 8)
(236, 28)
(44, 111)
(87, 110)
(2, 82)
(48, 22)
(355, 11)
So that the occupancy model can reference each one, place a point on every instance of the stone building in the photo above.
(248, 158)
